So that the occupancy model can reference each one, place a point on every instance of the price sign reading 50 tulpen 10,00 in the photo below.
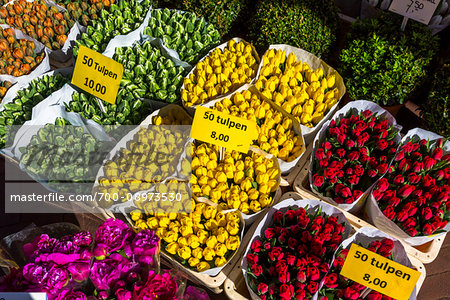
(379, 273)
(217, 128)
(97, 74)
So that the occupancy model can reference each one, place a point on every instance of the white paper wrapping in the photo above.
(313, 206)
(222, 48)
(314, 62)
(377, 217)
(360, 106)
(365, 235)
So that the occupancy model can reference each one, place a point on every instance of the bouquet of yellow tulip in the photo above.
(276, 132)
(145, 156)
(305, 93)
(171, 114)
(246, 182)
(222, 71)
(201, 240)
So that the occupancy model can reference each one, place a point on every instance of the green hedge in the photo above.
(383, 64)
(222, 14)
(436, 110)
(307, 24)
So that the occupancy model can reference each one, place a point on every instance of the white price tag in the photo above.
(419, 10)
(23, 296)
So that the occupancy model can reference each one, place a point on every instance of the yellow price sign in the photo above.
(218, 128)
(97, 74)
(379, 273)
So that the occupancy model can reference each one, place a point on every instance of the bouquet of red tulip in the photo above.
(292, 249)
(414, 193)
(336, 286)
(351, 152)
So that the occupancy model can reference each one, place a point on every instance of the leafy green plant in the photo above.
(436, 110)
(383, 64)
(307, 24)
(222, 14)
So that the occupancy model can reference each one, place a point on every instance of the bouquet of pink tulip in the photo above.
(116, 264)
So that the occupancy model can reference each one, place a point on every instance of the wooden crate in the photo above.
(426, 253)
(236, 289)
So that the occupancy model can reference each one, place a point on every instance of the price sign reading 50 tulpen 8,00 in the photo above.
(379, 273)
(217, 128)
(97, 74)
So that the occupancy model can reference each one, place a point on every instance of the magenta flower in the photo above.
(114, 234)
(158, 286)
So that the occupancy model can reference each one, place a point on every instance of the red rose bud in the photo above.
(428, 181)
(353, 180)
(382, 168)
(340, 153)
(446, 157)
(334, 132)
(328, 154)
(284, 276)
(386, 247)
(332, 123)
(410, 222)
(372, 173)
(377, 194)
(443, 197)
(276, 253)
(414, 178)
(434, 191)
(394, 201)
(403, 165)
(367, 113)
(349, 171)
(354, 155)
(300, 294)
(373, 162)
(256, 246)
(252, 258)
(427, 213)
(382, 144)
(437, 154)
(290, 259)
(383, 184)
(269, 233)
(402, 215)
(399, 156)
(428, 163)
(405, 190)
(411, 207)
(312, 273)
(330, 173)
(351, 293)
(326, 145)
(428, 229)
(389, 212)
(324, 163)
(411, 231)
(354, 119)
(349, 144)
(357, 194)
(389, 194)
(341, 139)
(278, 216)
(318, 180)
(313, 287)
(349, 200)
(374, 296)
(399, 179)
(292, 243)
(333, 180)
(262, 288)
(417, 166)
(440, 174)
(383, 158)
(320, 154)
(391, 169)
(301, 276)
(416, 155)
(359, 170)
(257, 270)
(286, 291)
